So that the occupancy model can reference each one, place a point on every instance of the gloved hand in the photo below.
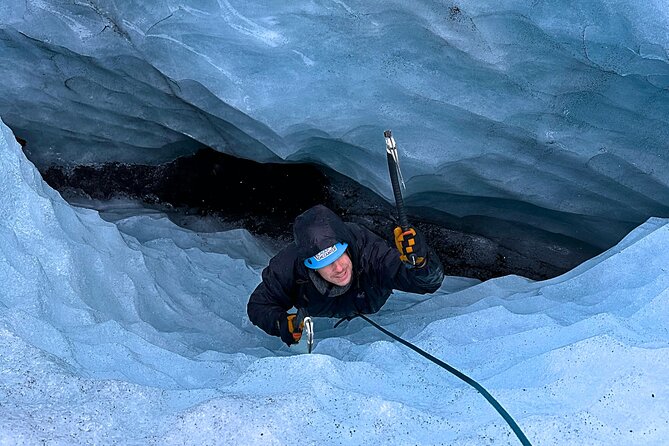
(291, 331)
(410, 242)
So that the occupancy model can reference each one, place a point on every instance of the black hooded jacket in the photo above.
(377, 271)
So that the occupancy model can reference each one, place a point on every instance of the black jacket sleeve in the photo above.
(391, 273)
(274, 296)
(423, 280)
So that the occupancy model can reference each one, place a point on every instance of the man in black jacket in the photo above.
(337, 269)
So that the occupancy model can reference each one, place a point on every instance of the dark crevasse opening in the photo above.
(264, 198)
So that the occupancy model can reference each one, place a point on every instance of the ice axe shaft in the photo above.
(307, 324)
(308, 331)
(396, 178)
(396, 181)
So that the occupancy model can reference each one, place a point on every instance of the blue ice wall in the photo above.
(544, 112)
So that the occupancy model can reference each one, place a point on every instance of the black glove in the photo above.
(410, 244)
(291, 331)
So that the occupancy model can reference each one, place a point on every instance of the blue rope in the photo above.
(498, 407)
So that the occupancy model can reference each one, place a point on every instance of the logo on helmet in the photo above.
(326, 256)
(326, 253)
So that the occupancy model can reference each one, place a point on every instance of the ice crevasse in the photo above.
(135, 333)
(550, 114)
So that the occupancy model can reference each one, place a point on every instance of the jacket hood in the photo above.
(319, 228)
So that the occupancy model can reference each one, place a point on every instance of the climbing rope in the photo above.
(498, 407)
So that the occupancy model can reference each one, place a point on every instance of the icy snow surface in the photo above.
(136, 333)
(550, 113)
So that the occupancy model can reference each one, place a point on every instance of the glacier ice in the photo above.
(135, 333)
(546, 113)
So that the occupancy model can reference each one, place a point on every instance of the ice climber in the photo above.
(336, 269)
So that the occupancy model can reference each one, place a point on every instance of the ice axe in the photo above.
(304, 320)
(396, 180)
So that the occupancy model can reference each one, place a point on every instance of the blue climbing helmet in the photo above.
(326, 256)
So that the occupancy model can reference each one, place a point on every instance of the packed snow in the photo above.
(135, 332)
